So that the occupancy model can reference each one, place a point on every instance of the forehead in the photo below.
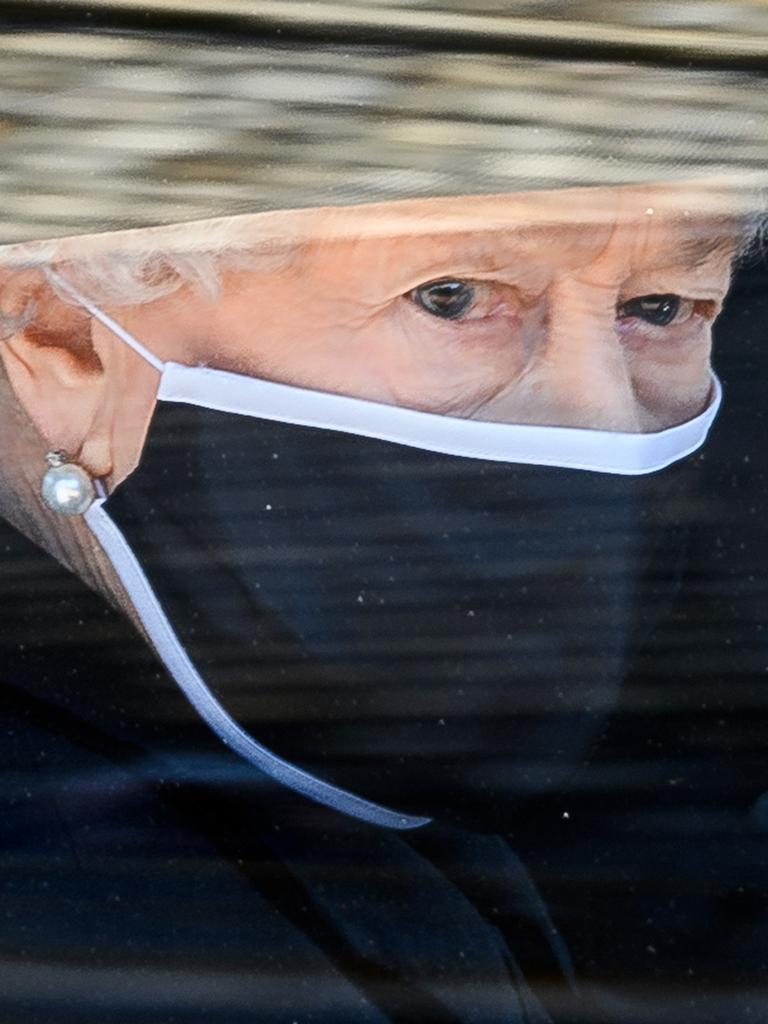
(695, 219)
(525, 235)
(519, 212)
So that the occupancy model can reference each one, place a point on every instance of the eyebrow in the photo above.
(699, 250)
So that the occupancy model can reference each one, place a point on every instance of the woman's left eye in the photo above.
(448, 299)
(657, 310)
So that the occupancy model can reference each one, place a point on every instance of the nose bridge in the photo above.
(582, 367)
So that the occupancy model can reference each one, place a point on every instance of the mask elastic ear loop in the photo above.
(181, 668)
(178, 663)
(106, 320)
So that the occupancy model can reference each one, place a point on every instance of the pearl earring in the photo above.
(67, 488)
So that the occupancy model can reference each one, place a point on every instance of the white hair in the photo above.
(138, 267)
(119, 279)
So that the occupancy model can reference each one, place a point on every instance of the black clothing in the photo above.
(149, 875)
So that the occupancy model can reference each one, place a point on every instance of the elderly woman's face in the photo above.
(512, 309)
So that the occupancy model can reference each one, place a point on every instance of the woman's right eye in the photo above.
(448, 299)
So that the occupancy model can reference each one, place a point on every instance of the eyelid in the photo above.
(685, 286)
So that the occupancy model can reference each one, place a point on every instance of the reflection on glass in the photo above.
(442, 636)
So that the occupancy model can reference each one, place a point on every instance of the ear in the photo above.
(58, 375)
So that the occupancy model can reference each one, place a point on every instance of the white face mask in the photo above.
(563, 447)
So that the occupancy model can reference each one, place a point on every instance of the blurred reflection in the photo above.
(163, 130)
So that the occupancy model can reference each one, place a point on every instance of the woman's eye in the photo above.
(448, 299)
(658, 310)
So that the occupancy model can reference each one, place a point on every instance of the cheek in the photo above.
(451, 366)
(296, 332)
(671, 379)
